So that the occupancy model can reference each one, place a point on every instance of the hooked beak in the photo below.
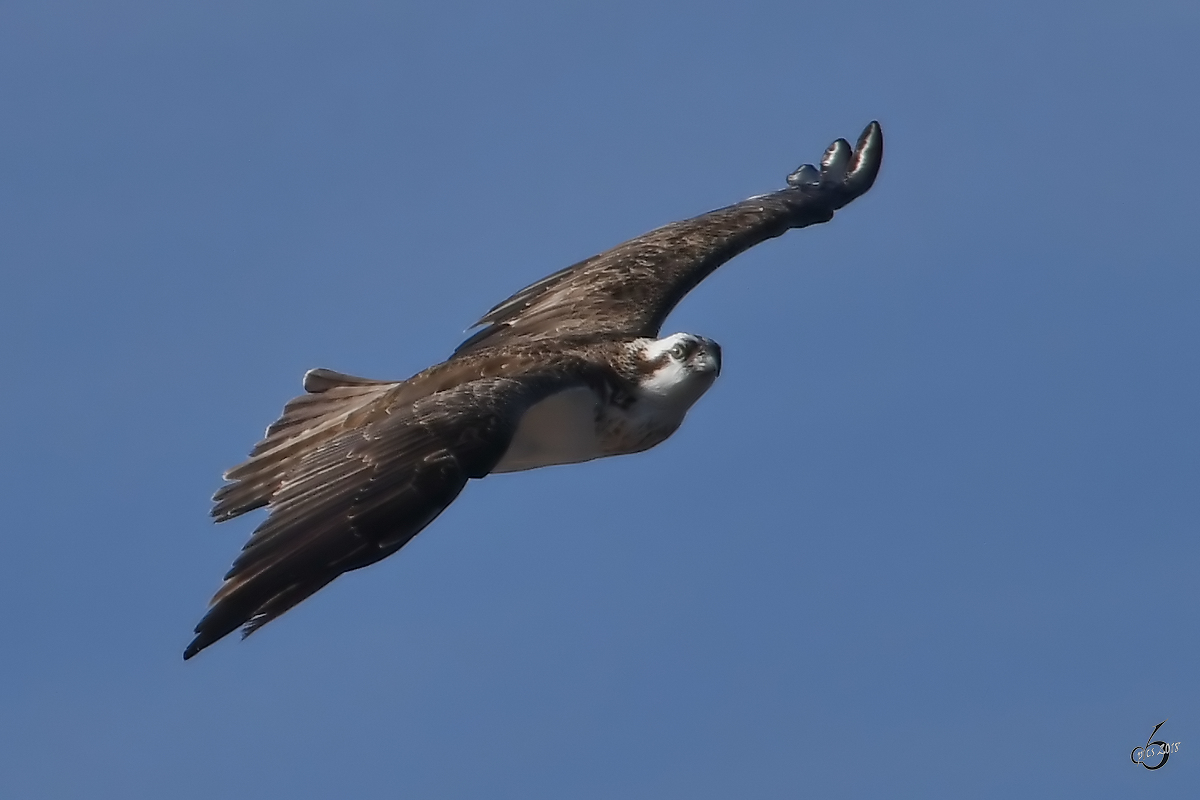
(709, 360)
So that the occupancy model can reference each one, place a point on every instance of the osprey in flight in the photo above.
(566, 370)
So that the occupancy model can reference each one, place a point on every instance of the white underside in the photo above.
(561, 429)
(572, 426)
(575, 425)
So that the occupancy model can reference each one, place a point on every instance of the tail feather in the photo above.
(334, 403)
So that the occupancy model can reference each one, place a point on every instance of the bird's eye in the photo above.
(678, 352)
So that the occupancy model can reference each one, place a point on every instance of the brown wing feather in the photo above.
(631, 289)
(334, 403)
(351, 498)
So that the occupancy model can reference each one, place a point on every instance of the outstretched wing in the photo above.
(631, 289)
(359, 489)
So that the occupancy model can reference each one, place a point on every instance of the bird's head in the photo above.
(679, 368)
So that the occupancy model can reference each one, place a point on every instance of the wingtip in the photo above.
(847, 172)
(208, 633)
(836, 161)
(868, 157)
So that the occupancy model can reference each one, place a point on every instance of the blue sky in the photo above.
(932, 534)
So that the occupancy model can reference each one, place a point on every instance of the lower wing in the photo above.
(359, 493)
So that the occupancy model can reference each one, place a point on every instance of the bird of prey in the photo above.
(566, 370)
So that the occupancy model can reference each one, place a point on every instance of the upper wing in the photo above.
(359, 489)
(632, 288)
